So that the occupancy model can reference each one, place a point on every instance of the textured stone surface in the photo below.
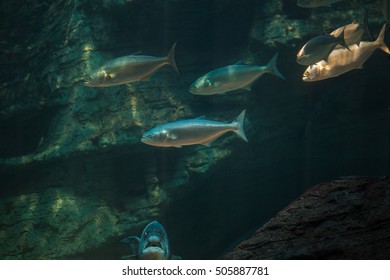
(347, 218)
(68, 152)
(72, 155)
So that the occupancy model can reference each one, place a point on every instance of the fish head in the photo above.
(98, 78)
(157, 136)
(203, 85)
(154, 244)
(302, 56)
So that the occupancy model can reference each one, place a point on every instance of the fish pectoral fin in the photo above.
(177, 146)
(111, 75)
(131, 239)
(172, 136)
(133, 242)
(216, 84)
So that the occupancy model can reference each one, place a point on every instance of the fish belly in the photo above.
(127, 71)
(342, 60)
(235, 77)
(192, 134)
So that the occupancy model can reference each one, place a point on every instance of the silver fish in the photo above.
(127, 69)
(319, 48)
(315, 3)
(153, 244)
(232, 77)
(191, 132)
(342, 60)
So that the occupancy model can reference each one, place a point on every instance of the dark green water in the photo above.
(75, 178)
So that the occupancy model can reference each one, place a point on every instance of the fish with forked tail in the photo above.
(192, 132)
(232, 77)
(127, 69)
(319, 48)
(341, 61)
(153, 244)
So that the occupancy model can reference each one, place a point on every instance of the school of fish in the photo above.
(326, 56)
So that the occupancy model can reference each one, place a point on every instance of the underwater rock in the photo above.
(283, 23)
(348, 218)
(71, 155)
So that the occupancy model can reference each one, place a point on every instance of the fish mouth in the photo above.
(145, 139)
(155, 244)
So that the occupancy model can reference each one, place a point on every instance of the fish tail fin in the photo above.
(239, 123)
(272, 67)
(171, 57)
(381, 40)
(342, 40)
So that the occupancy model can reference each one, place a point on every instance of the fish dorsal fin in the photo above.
(136, 53)
(172, 136)
(131, 239)
(200, 118)
(177, 146)
(248, 88)
(239, 62)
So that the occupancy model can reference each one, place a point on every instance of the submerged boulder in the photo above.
(348, 218)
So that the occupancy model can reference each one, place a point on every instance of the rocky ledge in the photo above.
(347, 218)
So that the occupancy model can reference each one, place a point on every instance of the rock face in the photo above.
(347, 218)
(75, 178)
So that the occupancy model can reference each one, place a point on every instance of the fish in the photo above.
(193, 131)
(127, 69)
(315, 3)
(341, 61)
(232, 77)
(153, 244)
(319, 48)
(353, 32)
